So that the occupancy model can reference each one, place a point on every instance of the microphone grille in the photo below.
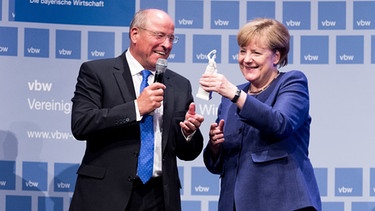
(163, 63)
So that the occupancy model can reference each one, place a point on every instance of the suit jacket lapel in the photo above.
(168, 106)
(123, 78)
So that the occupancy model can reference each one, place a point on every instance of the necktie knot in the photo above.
(144, 83)
(146, 73)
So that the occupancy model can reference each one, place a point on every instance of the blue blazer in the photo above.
(263, 162)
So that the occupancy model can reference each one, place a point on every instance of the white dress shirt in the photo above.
(135, 70)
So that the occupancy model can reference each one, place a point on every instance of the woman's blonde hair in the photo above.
(272, 32)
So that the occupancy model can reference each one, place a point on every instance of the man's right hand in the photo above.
(150, 98)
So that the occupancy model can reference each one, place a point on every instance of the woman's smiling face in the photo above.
(257, 62)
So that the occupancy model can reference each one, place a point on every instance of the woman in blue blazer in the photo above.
(259, 143)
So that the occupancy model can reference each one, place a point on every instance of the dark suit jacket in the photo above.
(104, 115)
(264, 162)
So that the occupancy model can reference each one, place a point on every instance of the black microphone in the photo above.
(161, 66)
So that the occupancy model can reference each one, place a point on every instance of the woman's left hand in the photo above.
(217, 83)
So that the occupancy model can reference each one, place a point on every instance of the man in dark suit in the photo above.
(107, 109)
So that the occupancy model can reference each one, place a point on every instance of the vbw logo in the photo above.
(34, 176)
(186, 22)
(345, 190)
(202, 189)
(33, 50)
(3, 49)
(62, 185)
(31, 184)
(65, 176)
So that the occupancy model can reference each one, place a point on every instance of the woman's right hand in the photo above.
(216, 135)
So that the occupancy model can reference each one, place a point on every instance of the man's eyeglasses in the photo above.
(162, 36)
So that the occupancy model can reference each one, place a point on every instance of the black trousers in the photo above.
(147, 197)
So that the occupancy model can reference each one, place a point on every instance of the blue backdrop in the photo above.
(44, 42)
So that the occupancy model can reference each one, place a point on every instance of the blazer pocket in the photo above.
(91, 171)
(268, 155)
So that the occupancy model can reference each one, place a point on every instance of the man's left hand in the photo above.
(192, 121)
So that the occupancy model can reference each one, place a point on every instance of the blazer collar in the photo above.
(123, 78)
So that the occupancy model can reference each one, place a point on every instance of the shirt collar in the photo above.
(134, 65)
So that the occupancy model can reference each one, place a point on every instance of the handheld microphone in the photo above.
(161, 66)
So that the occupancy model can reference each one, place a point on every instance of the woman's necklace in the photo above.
(265, 87)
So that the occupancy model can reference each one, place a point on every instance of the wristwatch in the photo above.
(236, 96)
